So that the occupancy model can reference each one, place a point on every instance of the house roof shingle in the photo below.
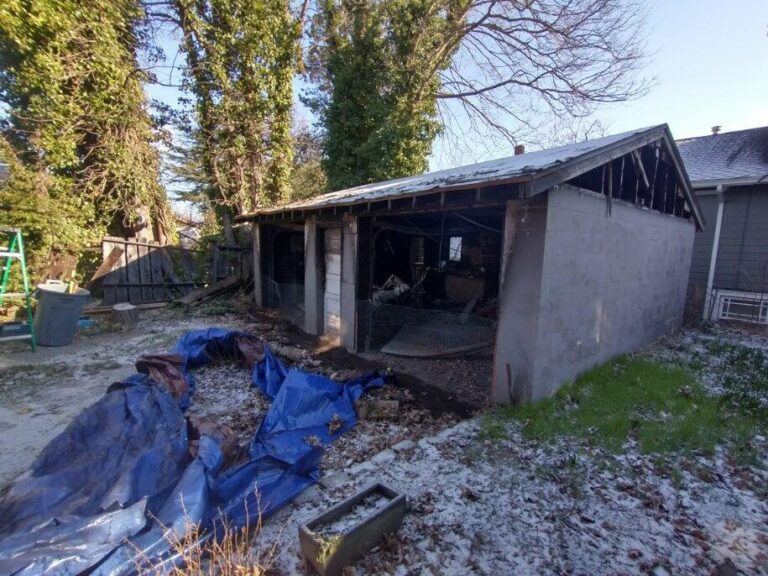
(730, 156)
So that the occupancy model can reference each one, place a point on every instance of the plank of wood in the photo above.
(121, 294)
(156, 272)
(106, 266)
(201, 295)
(108, 309)
(168, 266)
(134, 277)
(110, 276)
(145, 273)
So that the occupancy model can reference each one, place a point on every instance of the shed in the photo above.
(550, 261)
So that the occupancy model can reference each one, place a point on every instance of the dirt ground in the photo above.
(481, 505)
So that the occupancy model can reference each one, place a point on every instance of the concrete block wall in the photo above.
(609, 283)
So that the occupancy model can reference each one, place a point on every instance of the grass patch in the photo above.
(491, 428)
(661, 406)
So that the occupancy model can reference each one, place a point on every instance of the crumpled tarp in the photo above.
(123, 469)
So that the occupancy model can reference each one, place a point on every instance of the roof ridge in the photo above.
(689, 138)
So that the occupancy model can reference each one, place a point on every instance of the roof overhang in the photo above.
(728, 182)
(531, 184)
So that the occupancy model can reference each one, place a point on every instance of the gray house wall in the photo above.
(742, 258)
(589, 286)
(702, 244)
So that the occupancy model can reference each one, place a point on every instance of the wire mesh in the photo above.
(286, 298)
(421, 332)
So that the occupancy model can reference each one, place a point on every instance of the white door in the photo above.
(332, 297)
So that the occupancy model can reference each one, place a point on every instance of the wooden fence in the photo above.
(141, 272)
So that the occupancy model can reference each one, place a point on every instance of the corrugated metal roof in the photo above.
(726, 156)
(503, 169)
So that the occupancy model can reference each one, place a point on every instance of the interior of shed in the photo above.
(283, 261)
(434, 282)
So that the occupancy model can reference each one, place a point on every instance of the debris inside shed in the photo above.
(433, 282)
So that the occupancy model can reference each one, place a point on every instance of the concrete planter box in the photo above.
(343, 534)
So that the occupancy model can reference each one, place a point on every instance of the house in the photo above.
(729, 269)
(554, 260)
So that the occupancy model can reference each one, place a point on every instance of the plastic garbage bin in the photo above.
(57, 313)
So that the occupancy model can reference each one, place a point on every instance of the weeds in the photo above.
(491, 428)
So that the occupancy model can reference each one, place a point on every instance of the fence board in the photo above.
(144, 272)
(132, 269)
(156, 268)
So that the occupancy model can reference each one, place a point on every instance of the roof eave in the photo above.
(729, 182)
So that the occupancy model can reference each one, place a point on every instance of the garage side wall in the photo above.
(522, 258)
(610, 283)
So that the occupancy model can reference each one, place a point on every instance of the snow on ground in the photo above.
(515, 507)
(726, 360)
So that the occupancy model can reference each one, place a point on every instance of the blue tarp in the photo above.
(126, 459)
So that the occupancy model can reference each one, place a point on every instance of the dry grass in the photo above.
(227, 551)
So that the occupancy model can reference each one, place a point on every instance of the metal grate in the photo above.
(744, 307)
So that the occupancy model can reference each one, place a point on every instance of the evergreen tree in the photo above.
(375, 66)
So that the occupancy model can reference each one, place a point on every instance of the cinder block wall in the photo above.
(609, 283)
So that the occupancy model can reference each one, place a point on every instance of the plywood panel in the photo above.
(332, 302)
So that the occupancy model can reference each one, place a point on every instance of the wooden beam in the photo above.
(641, 169)
(203, 294)
(610, 187)
(106, 266)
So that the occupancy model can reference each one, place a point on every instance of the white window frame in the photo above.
(455, 253)
(724, 299)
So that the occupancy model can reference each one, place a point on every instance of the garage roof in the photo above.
(544, 167)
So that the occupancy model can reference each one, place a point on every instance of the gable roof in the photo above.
(539, 170)
(733, 158)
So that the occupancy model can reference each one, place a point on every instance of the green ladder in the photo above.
(13, 250)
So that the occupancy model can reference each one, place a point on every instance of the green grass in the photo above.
(662, 407)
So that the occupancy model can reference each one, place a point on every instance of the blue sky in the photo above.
(711, 67)
(709, 63)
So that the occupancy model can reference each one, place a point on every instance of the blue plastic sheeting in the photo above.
(126, 459)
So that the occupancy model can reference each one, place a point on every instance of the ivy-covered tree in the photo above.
(241, 58)
(75, 129)
(375, 66)
(307, 178)
(389, 75)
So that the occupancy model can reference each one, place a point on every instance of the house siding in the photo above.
(742, 258)
(702, 245)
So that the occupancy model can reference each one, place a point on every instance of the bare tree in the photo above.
(521, 58)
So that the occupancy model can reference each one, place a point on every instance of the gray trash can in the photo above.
(57, 313)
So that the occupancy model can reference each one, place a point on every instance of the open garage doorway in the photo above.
(284, 264)
(433, 293)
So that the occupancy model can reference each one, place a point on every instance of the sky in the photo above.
(709, 66)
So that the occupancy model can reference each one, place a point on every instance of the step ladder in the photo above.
(12, 250)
